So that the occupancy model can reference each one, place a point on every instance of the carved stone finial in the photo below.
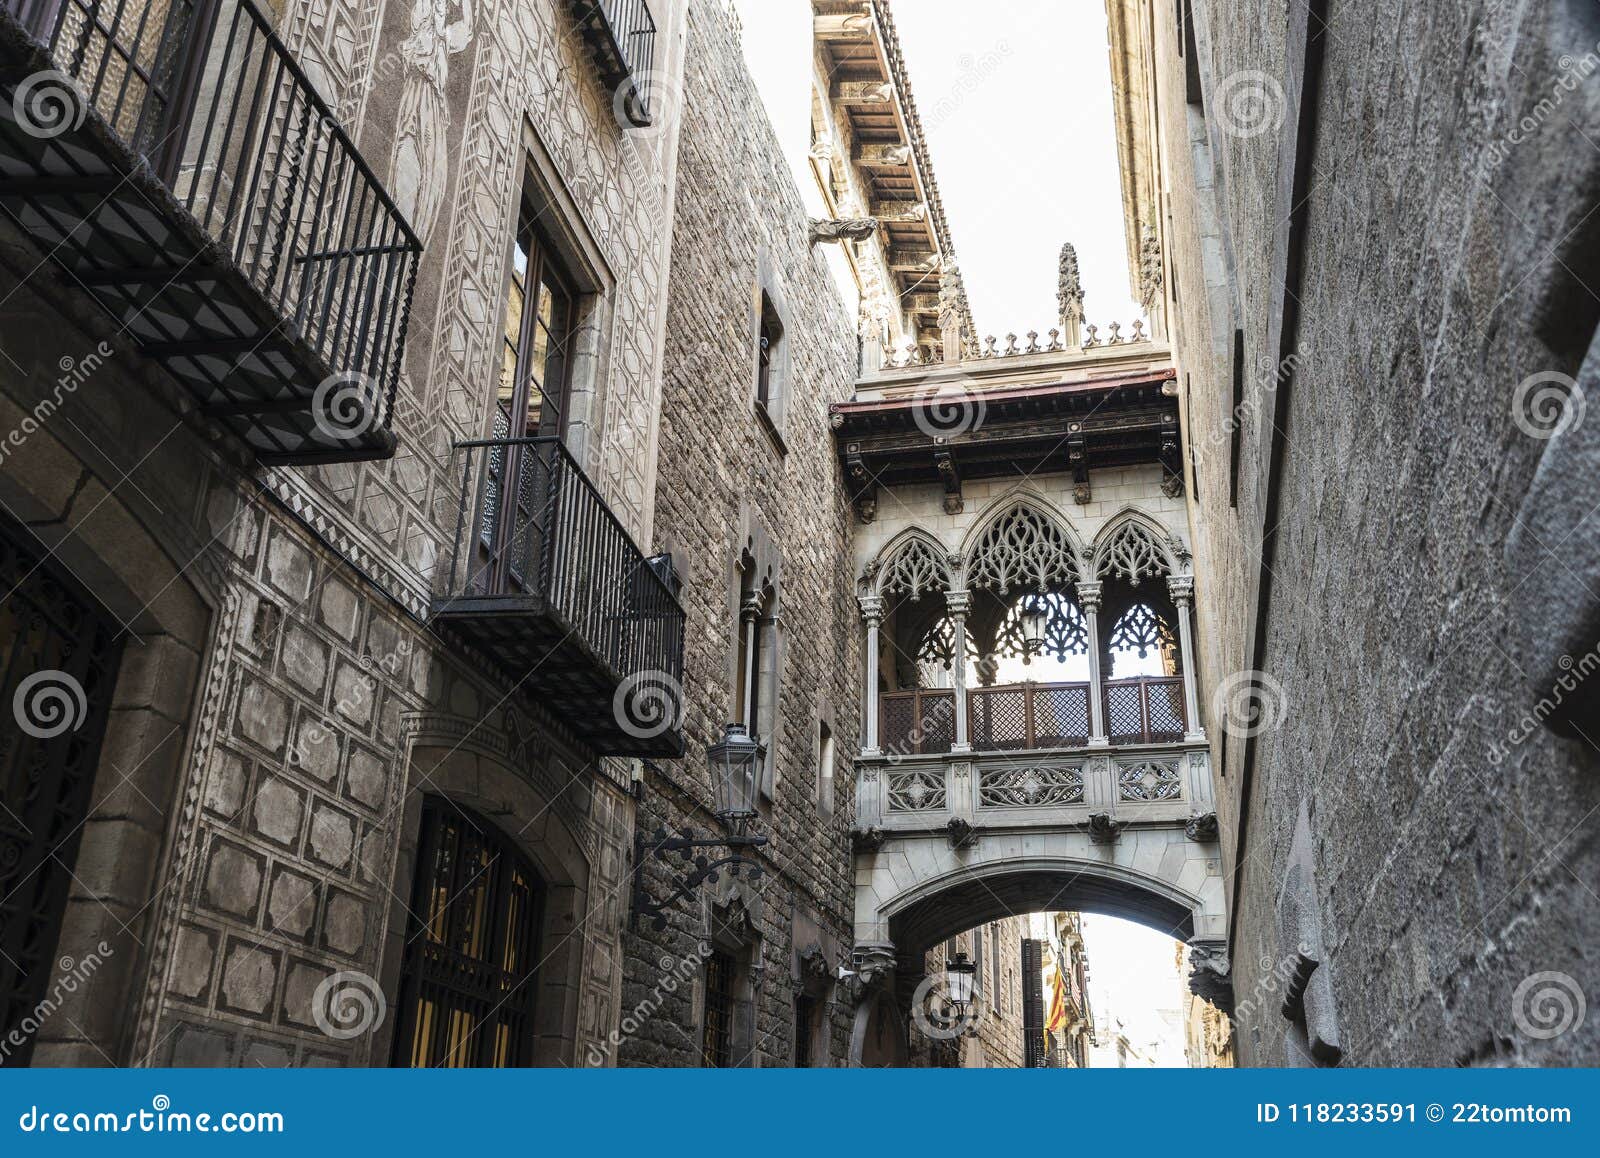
(952, 295)
(1150, 275)
(1069, 295)
(1104, 828)
(828, 230)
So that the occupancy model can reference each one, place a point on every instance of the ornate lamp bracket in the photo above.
(688, 847)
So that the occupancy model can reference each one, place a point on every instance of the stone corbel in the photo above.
(873, 967)
(950, 474)
(1202, 828)
(826, 231)
(1211, 973)
(1308, 1000)
(1171, 458)
(1078, 460)
(869, 839)
(1104, 828)
(863, 486)
(961, 832)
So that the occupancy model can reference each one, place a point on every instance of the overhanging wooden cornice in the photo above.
(1068, 427)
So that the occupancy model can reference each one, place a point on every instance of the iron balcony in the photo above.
(181, 169)
(621, 35)
(544, 580)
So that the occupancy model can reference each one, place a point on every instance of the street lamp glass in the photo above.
(1035, 615)
(961, 973)
(734, 761)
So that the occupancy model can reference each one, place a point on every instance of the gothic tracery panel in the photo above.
(916, 568)
(1150, 780)
(1133, 553)
(1023, 549)
(1141, 630)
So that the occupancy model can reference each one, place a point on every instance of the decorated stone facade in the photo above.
(286, 697)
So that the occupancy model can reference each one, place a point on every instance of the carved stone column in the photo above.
(750, 615)
(1181, 587)
(872, 614)
(957, 603)
(1089, 595)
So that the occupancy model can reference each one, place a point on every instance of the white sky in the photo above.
(1015, 99)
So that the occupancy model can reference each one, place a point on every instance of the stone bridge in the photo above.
(946, 843)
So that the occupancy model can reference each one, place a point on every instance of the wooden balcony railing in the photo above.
(921, 721)
(272, 275)
(544, 578)
(1148, 710)
(1026, 717)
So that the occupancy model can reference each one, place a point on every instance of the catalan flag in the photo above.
(1058, 1001)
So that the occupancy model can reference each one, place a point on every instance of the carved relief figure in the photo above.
(417, 165)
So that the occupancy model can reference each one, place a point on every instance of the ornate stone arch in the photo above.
(912, 564)
(1134, 547)
(1022, 543)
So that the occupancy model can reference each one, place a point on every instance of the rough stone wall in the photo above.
(721, 480)
(1452, 831)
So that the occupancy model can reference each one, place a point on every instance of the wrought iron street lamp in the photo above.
(734, 762)
(961, 973)
(1035, 617)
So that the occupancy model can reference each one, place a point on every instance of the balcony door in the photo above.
(530, 404)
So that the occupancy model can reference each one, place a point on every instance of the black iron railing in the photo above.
(208, 95)
(622, 34)
(532, 530)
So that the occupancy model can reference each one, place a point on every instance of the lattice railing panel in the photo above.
(1061, 716)
(998, 719)
(1166, 714)
(1124, 712)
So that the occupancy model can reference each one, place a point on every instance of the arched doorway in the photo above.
(467, 981)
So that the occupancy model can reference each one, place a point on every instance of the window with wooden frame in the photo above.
(469, 971)
(536, 341)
